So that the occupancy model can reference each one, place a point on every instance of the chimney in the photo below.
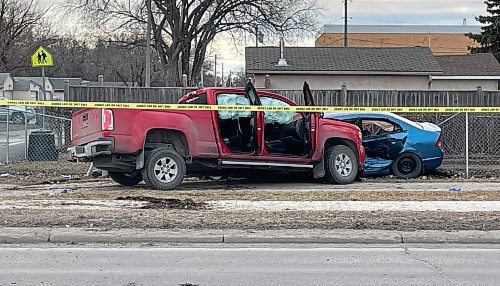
(282, 61)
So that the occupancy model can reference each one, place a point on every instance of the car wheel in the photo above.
(17, 118)
(164, 169)
(407, 166)
(341, 165)
(126, 179)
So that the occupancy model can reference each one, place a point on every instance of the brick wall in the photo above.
(440, 44)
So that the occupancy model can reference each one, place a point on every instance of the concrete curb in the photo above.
(155, 236)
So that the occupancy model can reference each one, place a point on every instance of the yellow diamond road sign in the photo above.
(41, 58)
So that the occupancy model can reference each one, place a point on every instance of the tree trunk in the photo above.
(199, 57)
(172, 72)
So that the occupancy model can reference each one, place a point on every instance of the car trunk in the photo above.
(427, 126)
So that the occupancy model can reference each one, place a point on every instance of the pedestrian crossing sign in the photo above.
(41, 58)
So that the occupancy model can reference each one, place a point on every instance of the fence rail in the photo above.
(341, 97)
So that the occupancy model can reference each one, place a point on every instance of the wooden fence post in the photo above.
(343, 95)
(66, 90)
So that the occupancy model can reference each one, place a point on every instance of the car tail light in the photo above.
(438, 142)
(107, 120)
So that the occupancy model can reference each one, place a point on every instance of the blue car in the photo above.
(396, 145)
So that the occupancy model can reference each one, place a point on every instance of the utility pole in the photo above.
(215, 71)
(345, 24)
(147, 82)
(256, 35)
(222, 78)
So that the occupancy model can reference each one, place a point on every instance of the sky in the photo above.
(387, 12)
(361, 12)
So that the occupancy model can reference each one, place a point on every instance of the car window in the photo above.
(373, 127)
(233, 99)
(197, 99)
(281, 117)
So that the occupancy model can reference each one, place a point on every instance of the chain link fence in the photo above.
(33, 143)
(41, 140)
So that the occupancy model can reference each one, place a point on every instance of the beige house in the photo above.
(467, 72)
(30, 88)
(6, 85)
(402, 68)
(441, 39)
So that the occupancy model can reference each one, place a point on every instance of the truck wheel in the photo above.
(407, 166)
(126, 179)
(164, 169)
(341, 165)
(18, 118)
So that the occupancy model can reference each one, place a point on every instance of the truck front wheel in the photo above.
(164, 169)
(341, 165)
(126, 179)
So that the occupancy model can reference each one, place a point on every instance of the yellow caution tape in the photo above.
(74, 104)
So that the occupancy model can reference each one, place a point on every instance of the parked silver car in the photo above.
(18, 114)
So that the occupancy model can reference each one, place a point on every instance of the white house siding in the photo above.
(7, 94)
(463, 84)
(21, 95)
(8, 84)
(353, 82)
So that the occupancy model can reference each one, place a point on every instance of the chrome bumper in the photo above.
(89, 150)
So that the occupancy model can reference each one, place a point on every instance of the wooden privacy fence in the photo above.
(322, 97)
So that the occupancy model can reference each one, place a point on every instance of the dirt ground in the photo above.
(185, 208)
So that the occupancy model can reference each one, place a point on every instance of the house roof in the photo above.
(23, 83)
(469, 65)
(402, 29)
(3, 78)
(35, 79)
(339, 60)
(58, 83)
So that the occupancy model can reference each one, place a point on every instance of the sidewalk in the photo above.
(340, 236)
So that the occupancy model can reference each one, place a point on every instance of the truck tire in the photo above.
(341, 165)
(18, 118)
(126, 179)
(407, 166)
(164, 169)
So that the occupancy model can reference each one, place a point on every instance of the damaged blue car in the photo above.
(396, 145)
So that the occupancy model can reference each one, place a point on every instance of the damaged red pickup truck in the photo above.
(162, 146)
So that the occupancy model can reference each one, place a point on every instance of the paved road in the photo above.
(249, 266)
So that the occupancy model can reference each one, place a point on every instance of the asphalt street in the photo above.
(277, 265)
(16, 144)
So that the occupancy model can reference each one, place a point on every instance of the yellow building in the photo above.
(442, 39)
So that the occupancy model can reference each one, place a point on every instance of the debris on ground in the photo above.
(162, 203)
(30, 173)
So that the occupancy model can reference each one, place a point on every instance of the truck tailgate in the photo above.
(86, 126)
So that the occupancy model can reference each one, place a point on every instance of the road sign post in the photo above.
(42, 58)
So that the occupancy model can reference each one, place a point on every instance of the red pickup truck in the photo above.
(162, 146)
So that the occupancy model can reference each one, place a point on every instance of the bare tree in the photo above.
(183, 29)
(18, 18)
